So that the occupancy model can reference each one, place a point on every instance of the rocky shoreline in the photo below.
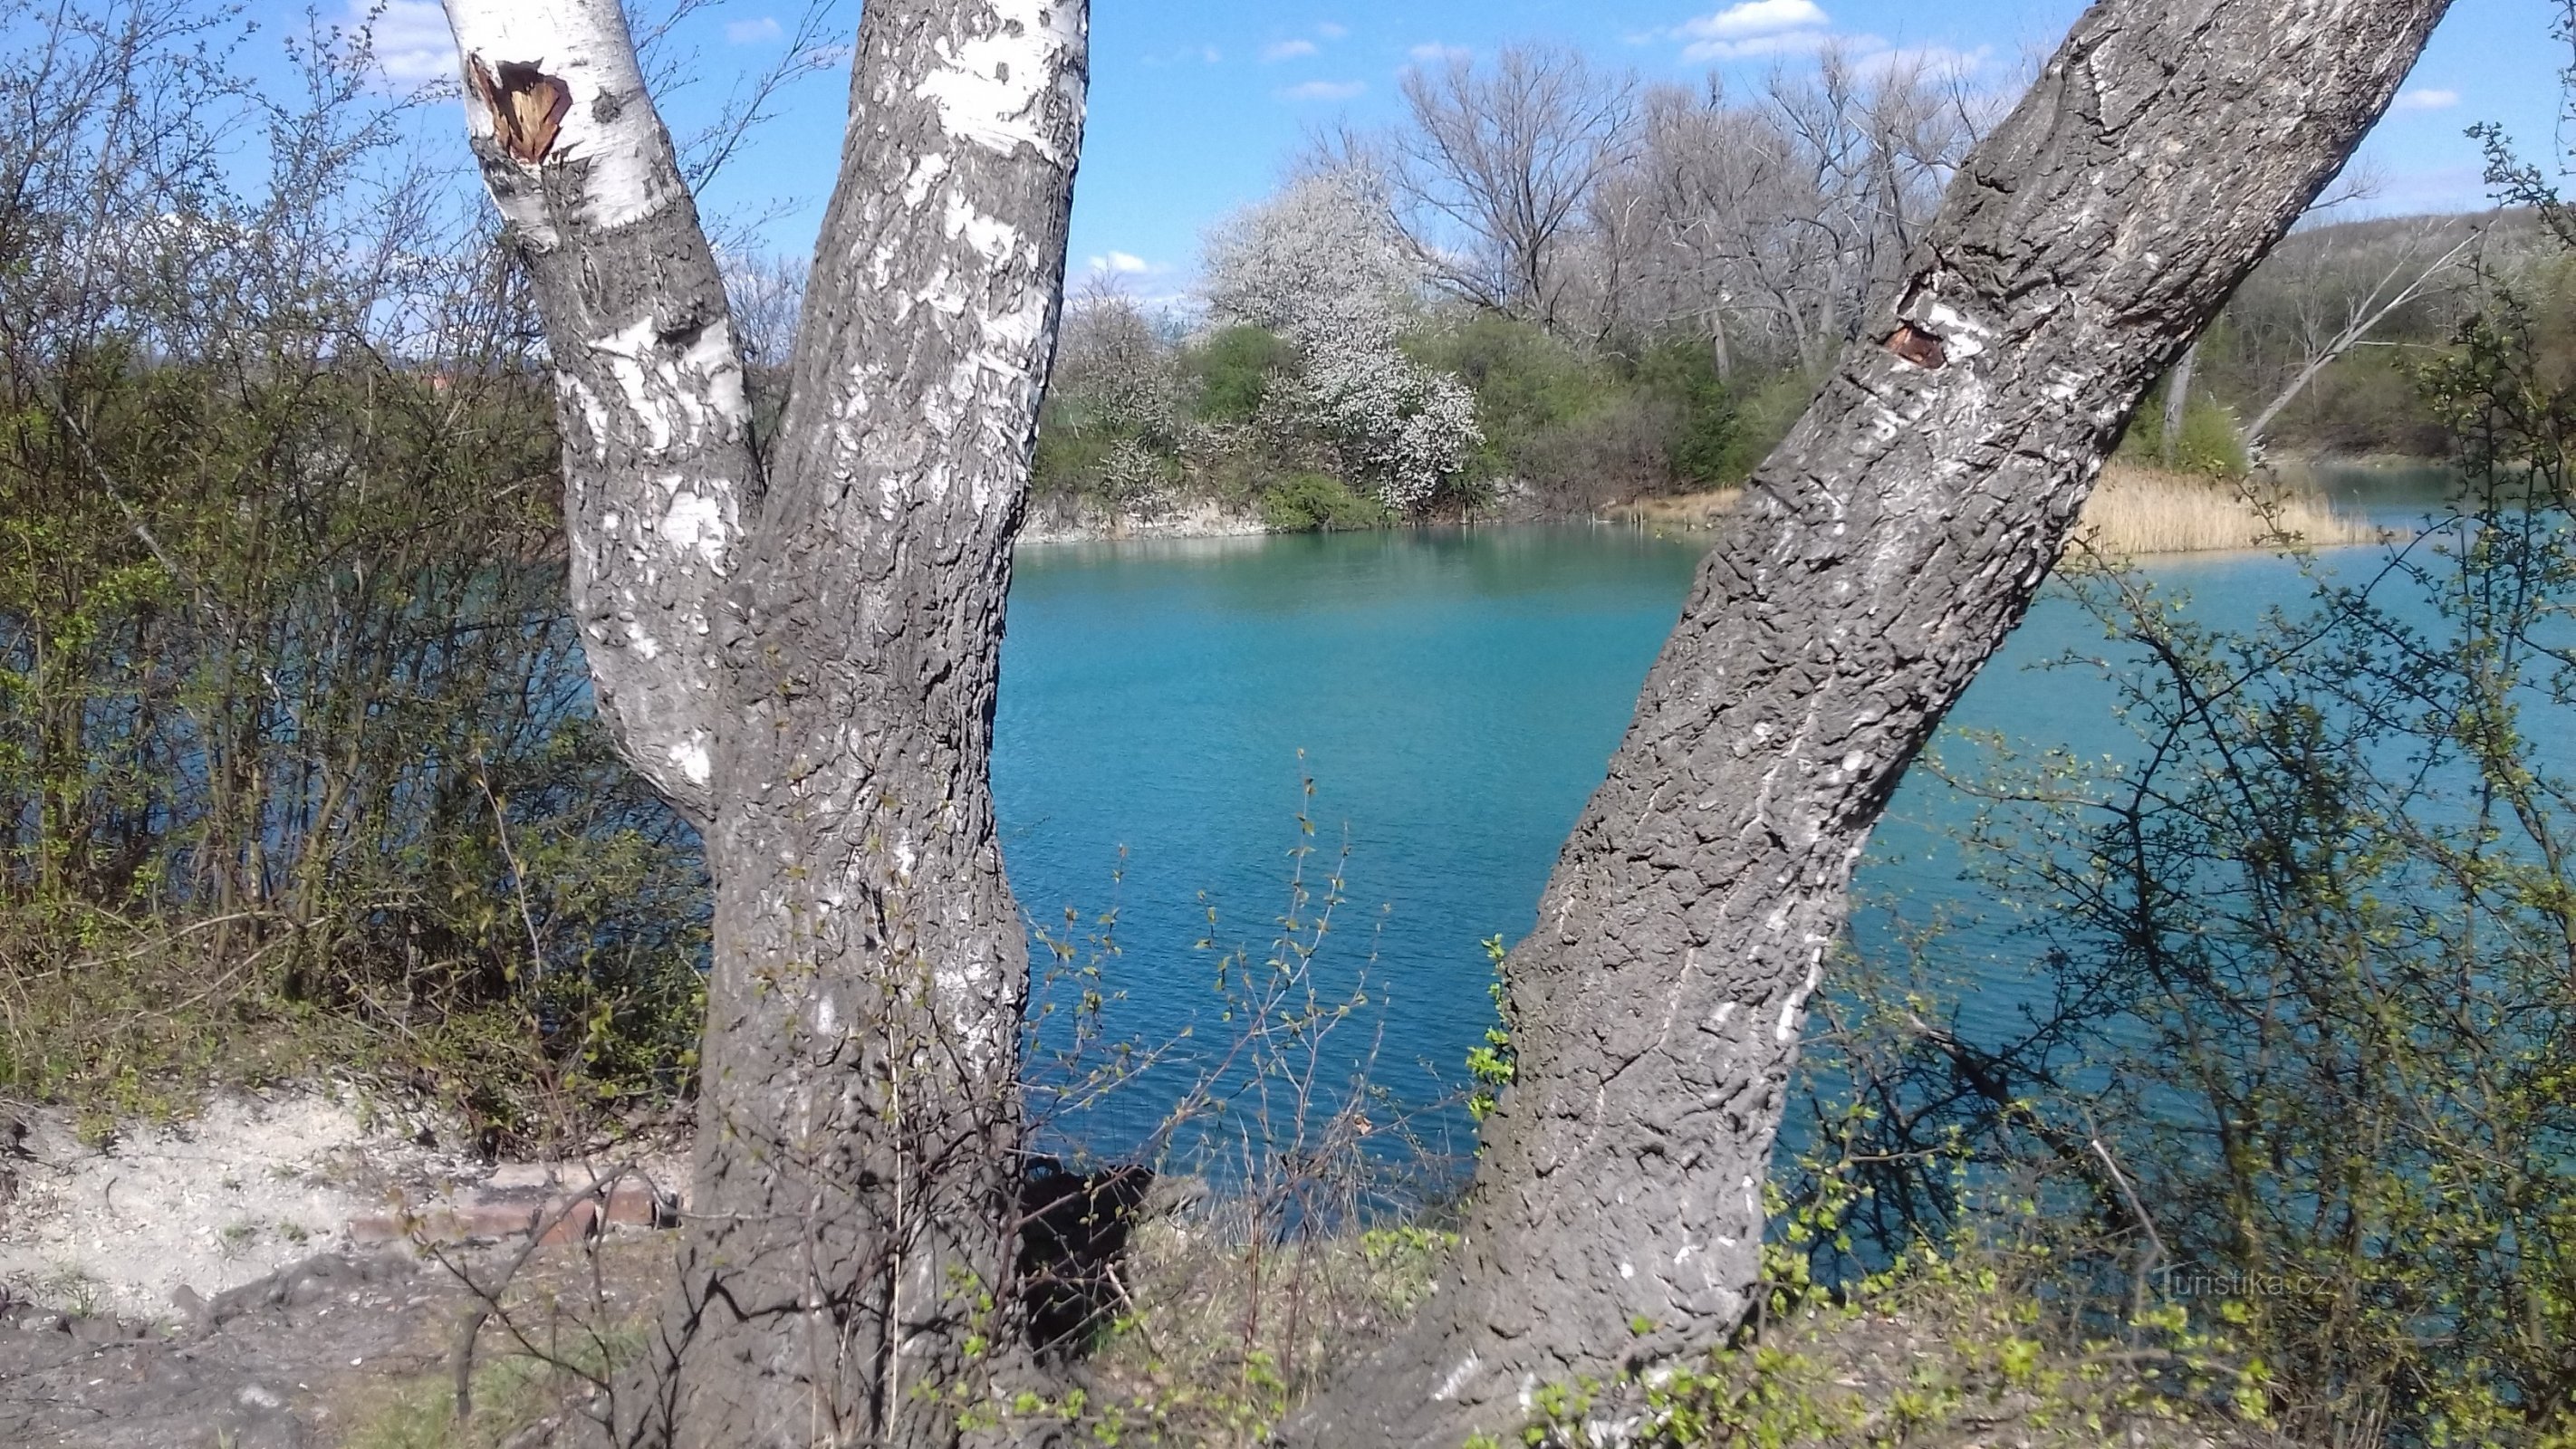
(1053, 522)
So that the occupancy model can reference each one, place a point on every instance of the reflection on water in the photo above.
(2394, 495)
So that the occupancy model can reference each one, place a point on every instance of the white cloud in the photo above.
(1753, 28)
(753, 32)
(1121, 264)
(1768, 29)
(412, 41)
(1332, 31)
(1796, 42)
(1433, 52)
(1323, 91)
(1756, 18)
(1280, 50)
(2424, 98)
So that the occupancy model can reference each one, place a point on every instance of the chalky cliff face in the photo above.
(805, 660)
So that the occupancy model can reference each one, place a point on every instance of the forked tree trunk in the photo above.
(808, 667)
(1890, 544)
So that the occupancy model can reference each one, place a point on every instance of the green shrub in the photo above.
(1765, 411)
(1529, 385)
(1232, 370)
(1308, 502)
(2209, 444)
(1703, 429)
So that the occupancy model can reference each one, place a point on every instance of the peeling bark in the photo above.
(1887, 547)
(806, 663)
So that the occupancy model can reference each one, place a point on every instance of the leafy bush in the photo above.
(1528, 384)
(296, 763)
(2313, 1024)
(1308, 502)
(1232, 372)
(1704, 435)
(2209, 444)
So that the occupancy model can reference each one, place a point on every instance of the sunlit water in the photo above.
(1453, 697)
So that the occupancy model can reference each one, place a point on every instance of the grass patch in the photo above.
(1949, 1348)
(1221, 1338)
(1679, 511)
(509, 1396)
(2135, 509)
(1981, 1342)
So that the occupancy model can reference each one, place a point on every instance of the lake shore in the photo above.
(2135, 510)
(1053, 521)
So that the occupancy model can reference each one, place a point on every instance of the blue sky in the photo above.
(1197, 105)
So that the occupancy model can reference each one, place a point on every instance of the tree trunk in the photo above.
(657, 458)
(809, 668)
(2178, 402)
(1889, 545)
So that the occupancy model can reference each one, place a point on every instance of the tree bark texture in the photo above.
(849, 1240)
(1884, 551)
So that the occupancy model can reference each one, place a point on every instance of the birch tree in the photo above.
(1884, 551)
(2331, 321)
(1493, 176)
(803, 660)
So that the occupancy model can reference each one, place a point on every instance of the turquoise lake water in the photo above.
(1454, 697)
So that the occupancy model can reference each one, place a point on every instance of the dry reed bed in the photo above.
(2134, 510)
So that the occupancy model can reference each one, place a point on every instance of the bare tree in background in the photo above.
(799, 649)
(1492, 178)
(2341, 291)
(2359, 181)
(1884, 551)
(1786, 215)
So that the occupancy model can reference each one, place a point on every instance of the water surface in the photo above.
(1454, 698)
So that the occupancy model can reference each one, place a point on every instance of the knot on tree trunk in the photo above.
(527, 106)
(1919, 347)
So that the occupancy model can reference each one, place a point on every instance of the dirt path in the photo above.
(272, 1365)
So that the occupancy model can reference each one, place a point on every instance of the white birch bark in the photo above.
(859, 1128)
(657, 444)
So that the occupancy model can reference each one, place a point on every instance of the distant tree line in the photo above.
(1548, 288)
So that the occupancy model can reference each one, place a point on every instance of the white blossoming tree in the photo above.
(1322, 265)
